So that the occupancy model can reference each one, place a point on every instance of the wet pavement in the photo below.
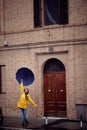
(13, 123)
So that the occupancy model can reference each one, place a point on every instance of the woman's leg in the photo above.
(24, 111)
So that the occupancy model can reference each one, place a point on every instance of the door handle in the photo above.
(61, 90)
(49, 90)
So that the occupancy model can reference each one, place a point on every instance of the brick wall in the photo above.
(29, 47)
(77, 11)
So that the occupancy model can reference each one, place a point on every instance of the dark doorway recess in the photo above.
(54, 88)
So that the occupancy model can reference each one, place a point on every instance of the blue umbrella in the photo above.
(26, 75)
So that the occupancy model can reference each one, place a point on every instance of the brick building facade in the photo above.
(30, 46)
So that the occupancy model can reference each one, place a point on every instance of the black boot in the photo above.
(23, 124)
(26, 121)
(26, 125)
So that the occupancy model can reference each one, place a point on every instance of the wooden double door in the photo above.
(55, 94)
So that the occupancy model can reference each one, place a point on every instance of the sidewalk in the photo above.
(16, 123)
(13, 123)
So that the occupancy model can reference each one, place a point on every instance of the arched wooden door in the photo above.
(54, 89)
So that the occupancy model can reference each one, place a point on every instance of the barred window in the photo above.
(2, 78)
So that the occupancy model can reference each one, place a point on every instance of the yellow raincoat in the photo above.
(23, 101)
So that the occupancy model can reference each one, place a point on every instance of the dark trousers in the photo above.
(24, 111)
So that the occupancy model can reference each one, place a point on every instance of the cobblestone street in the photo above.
(40, 124)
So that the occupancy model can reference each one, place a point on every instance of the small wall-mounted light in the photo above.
(5, 43)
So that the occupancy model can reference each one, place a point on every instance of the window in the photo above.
(2, 78)
(50, 12)
(54, 65)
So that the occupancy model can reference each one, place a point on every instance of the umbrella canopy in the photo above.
(26, 75)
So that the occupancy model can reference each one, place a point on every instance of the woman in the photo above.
(23, 103)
